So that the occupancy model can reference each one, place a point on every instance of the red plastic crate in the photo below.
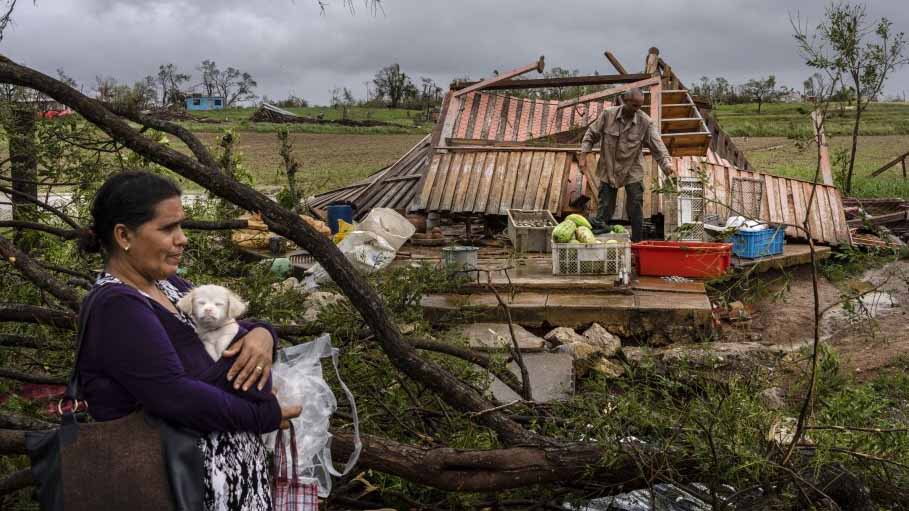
(682, 258)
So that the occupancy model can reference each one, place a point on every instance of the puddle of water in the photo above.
(869, 306)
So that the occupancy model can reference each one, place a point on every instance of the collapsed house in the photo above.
(494, 149)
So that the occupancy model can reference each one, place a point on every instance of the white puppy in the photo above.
(215, 309)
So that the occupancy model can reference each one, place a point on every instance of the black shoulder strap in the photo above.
(72, 388)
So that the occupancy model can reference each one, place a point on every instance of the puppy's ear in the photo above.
(236, 307)
(185, 304)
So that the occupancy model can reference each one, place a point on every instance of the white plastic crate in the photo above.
(530, 230)
(592, 258)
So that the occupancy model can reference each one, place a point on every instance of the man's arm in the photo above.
(593, 134)
(658, 150)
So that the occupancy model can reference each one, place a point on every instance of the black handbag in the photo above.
(136, 463)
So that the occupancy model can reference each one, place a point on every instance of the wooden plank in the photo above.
(677, 110)
(435, 197)
(500, 165)
(613, 91)
(545, 178)
(839, 215)
(570, 81)
(504, 77)
(455, 193)
(559, 175)
(811, 210)
(566, 118)
(615, 63)
(782, 203)
(773, 205)
(824, 217)
(798, 204)
(439, 130)
(536, 124)
(520, 184)
(480, 117)
(483, 191)
(510, 179)
(681, 125)
(464, 116)
(789, 207)
(817, 122)
(507, 103)
(425, 186)
(514, 116)
(493, 130)
(465, 203)
(524, 120)
(533, 180)
(454, 180)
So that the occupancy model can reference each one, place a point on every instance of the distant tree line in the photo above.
(170, 87)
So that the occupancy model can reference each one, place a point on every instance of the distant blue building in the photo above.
(200, 102)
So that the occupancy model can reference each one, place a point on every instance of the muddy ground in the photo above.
(869, 334)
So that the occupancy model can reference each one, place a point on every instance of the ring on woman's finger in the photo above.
(259, 369)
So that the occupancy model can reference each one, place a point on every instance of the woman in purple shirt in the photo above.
(140, 351)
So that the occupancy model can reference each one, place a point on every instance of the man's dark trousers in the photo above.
(634, 207)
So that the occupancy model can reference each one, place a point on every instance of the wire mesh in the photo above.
(747, 194)
(690, 209)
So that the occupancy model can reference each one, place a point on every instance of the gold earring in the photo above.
(127, 248)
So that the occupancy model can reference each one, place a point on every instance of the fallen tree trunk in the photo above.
(281, 221)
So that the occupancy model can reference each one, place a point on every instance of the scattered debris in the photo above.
(271, 113)
(773, 398)
(665, 497)
(317, 301)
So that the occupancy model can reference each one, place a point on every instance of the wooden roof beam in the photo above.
(571, 81)
(650, 81)
(615, 63)
(538, 65)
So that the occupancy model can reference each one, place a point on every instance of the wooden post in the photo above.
(651, 63)
(615, 63)
(817, 119)
(903, 163)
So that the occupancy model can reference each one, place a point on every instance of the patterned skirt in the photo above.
(238, 472)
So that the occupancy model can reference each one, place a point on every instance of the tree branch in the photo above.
(12, 374)
(21, 341)
(281, 221)
(195, 145)
(21, 313)
(67, 234)
(38, 275)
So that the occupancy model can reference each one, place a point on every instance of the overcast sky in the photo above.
(290, 48)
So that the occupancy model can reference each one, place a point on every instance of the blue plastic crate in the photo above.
(752, 245)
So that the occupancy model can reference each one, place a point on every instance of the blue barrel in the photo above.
(339, 212)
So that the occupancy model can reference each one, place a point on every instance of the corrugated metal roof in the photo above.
(392, 187)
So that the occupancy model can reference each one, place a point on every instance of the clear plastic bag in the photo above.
(297, 378)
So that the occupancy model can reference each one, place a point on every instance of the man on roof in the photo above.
(622, 132)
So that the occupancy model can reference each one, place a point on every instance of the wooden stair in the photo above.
(682, 127)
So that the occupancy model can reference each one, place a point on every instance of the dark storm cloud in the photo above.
(290, 48)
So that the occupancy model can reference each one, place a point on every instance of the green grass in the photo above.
(792, 120)
(786, 157)
(402, 121)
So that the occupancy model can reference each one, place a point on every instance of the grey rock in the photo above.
(496, 336)
(600, 338)
(563, 335)
(608, 368)
(551, 378)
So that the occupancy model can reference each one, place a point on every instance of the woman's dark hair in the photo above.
(127, 198)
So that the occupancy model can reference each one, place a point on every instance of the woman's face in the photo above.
(155, 247)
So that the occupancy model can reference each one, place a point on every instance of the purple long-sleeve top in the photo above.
(136, 353)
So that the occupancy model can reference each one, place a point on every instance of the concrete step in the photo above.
(664, 316)
(551, 378)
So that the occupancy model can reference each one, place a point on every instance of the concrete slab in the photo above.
(497, 337)
(551, 378)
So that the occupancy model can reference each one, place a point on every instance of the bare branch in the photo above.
(12, 374)
(37, 275)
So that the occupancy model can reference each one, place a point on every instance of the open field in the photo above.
(786, 157)
(327, 161)
(792, 119)
(403, 121)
